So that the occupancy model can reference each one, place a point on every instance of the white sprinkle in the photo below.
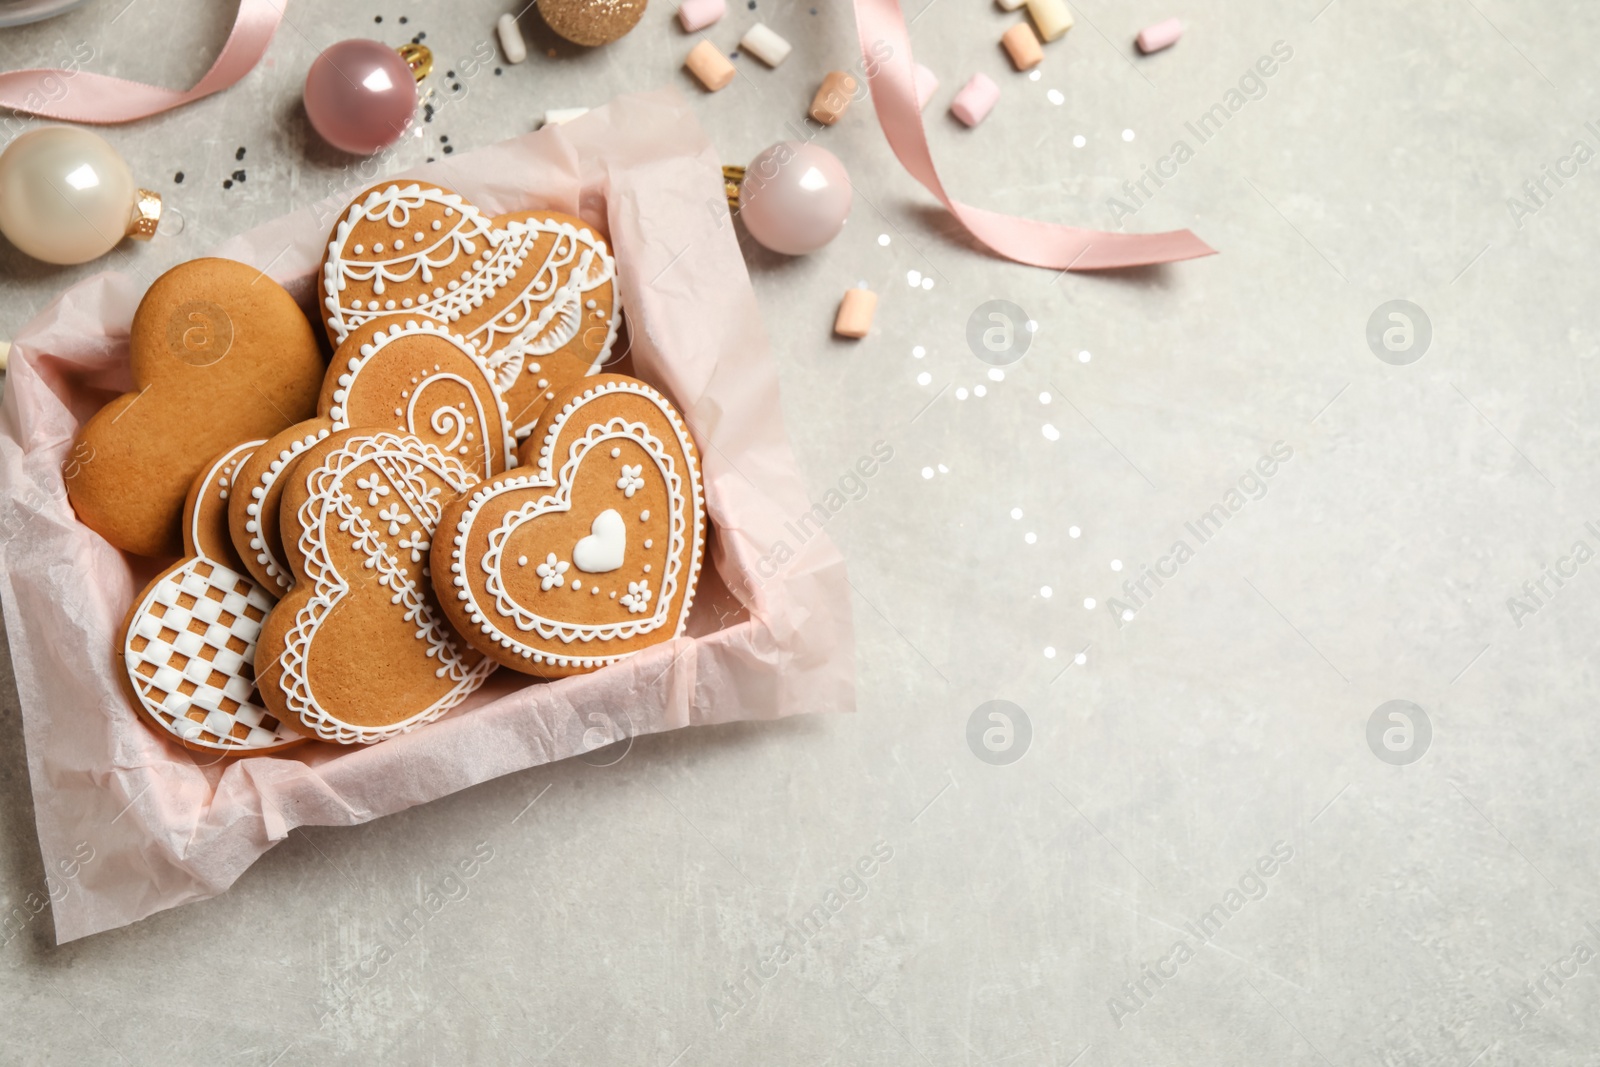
(1044, 591)
(1016, 513)
(1083, 357)
(917, 351)
(1127, 135)
(1030, 537)
(1044, 398)
(943, 469)
(927, 283)
(927, 472)
(1127, 614)
(1051, 433)
(961, 393)
(1080, 659)
(1073, 531)
(1049, 652)
(1054, 96)
(914, 277)
(996, 374)
(978, 390)
(1116, 564)
(883, 240)
(1088, 602)
(1033, 75)
(924, 378)
(1079, 141)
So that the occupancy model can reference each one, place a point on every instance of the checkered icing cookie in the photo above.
(189, 641)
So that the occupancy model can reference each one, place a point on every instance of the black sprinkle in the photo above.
(450, 74)
(427, 112)
(239, 154)
(227, 183)
(430, 159)
(377, 18)
(497, 71)
(420, 36)
(404, 20)
(238, 175)
(752, 5)
(455, 87)
(178, 177)
(813, 11)
(448, 150)
(417, 39)
(444, 138)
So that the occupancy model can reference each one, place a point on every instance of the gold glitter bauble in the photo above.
(591, 22)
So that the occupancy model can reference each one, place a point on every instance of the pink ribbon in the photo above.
(102, 99)
(1040, 244)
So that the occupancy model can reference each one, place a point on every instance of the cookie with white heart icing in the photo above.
(189, 640)
(535, 291)
(411, 376)
(590, 550)
(357, 650)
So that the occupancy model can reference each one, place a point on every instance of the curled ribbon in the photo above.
(104, 100)
(1039, 244)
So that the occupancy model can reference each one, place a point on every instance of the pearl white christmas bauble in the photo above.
(66, 196)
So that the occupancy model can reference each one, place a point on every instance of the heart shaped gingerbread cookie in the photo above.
(591, 549)
(407, 375)
(357, 650)
(220, 354)
(188, 643)
(534, 291)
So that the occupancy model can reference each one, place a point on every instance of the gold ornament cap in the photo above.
(732, 180)
(146, 215)
(419, 57)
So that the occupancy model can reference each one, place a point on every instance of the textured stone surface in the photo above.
(1230, 714)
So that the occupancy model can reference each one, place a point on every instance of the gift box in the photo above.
(131, 823)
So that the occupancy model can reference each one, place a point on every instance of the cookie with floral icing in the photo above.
(535, 291)
(408, 375)
(357, 650)
(220, 354)
(590, 550)
(188, 643)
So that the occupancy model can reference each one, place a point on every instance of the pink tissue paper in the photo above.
(770, 634)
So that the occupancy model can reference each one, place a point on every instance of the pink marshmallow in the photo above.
(975, 100)
(927, 84)
(1161, 35)
(696, 15)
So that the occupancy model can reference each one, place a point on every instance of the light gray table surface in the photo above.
(1427, 913)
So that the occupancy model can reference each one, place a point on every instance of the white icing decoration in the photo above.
(540, 319)
(638, 596)
(444, 421)
(224, 602)
(550, 572)
(506, 620)
(605, 547)
(419, 473)
(631, 481)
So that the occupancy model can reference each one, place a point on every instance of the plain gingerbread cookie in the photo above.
(220, 354)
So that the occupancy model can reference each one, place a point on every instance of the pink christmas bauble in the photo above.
(795, 197)
(360, 96)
